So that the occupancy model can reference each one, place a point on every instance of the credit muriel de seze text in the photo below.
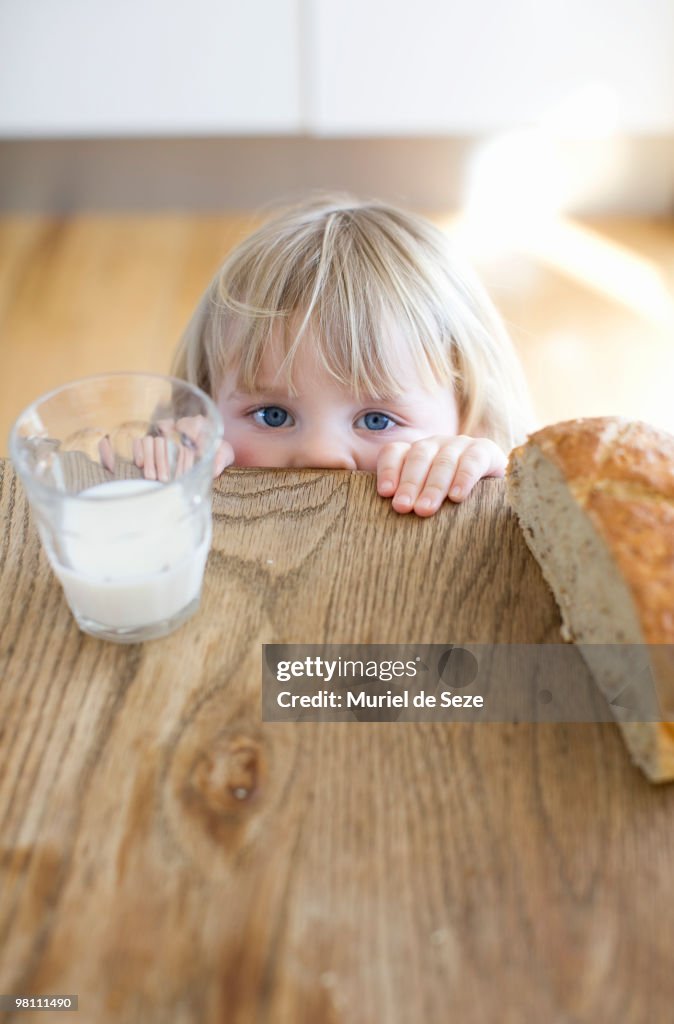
(330, 699)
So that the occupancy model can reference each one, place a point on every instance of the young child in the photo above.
(345, 334)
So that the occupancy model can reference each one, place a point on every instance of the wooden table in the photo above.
(171, 858)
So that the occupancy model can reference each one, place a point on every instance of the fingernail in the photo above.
(455, 492)
(425, 502)
(386, 485)
(403, 499)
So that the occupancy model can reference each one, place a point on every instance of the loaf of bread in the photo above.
(595, 501)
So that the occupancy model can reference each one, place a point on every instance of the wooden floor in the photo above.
(590, 305)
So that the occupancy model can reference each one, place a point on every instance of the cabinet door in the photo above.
(396, 67)
(151, 67)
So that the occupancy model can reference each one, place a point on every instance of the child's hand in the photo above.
(421, 475)
(151, 452)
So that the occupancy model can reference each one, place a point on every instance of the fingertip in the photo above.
(402, 503)
(425, 513)
(106, 453)
(224, 457)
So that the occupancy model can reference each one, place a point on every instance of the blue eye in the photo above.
(272, 416)
(375, 421)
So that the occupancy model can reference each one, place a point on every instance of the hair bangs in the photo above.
(360, 309)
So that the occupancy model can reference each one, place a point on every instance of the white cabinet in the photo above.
(333, 67)
(393, 67)
(149, 67)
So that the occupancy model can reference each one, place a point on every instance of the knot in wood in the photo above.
(228, 775)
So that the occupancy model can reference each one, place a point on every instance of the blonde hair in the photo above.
(348, 269)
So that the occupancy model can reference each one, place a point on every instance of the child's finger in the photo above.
(475, 462)
(389, 465)
(106, 453)
(138, 456)
(414, 472)
(188, 459)
(161, 459)
(224, 457)
(180, 462)
(149, 468)
(439, 478)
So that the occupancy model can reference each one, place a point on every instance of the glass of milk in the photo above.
(118, 470)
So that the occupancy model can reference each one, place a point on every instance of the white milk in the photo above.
(132, 563)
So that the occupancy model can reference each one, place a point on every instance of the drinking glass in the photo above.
(117, 469)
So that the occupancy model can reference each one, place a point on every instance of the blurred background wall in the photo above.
(218, 103)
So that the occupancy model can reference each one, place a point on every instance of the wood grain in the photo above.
(168, 856)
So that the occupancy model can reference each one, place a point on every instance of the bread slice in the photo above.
(595, 501)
